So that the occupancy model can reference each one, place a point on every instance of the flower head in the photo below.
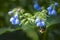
(37, 7)
(56, 4)
(50, 8)
(53, 12)
(41, 23)
(14, 20)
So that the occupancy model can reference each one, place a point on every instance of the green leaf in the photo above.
(53, 20)
(5, 29)
(29, 29)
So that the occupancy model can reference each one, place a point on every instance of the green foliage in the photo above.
(27, 17)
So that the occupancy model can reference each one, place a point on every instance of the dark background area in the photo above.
(16, 35)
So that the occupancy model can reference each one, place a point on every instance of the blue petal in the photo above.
(13, 22)
(37, 7)
(11, 19)
(41, 23)
(53, 12)
(49, 12)
(50, 8)
(16, 22)
(56, 4)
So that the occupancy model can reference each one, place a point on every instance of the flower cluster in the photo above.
(40, 23)
(51, 10)
(37, 7)
(56, 4)
(27, 18)
(14, 19)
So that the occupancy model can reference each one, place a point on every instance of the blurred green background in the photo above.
(52, 33)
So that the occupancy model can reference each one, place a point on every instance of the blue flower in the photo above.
(49, 12)
(37, 7)
(53, 12)
(14, 20)
(50, 8)
(56, 4)
(41, 23)
(11, 19)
